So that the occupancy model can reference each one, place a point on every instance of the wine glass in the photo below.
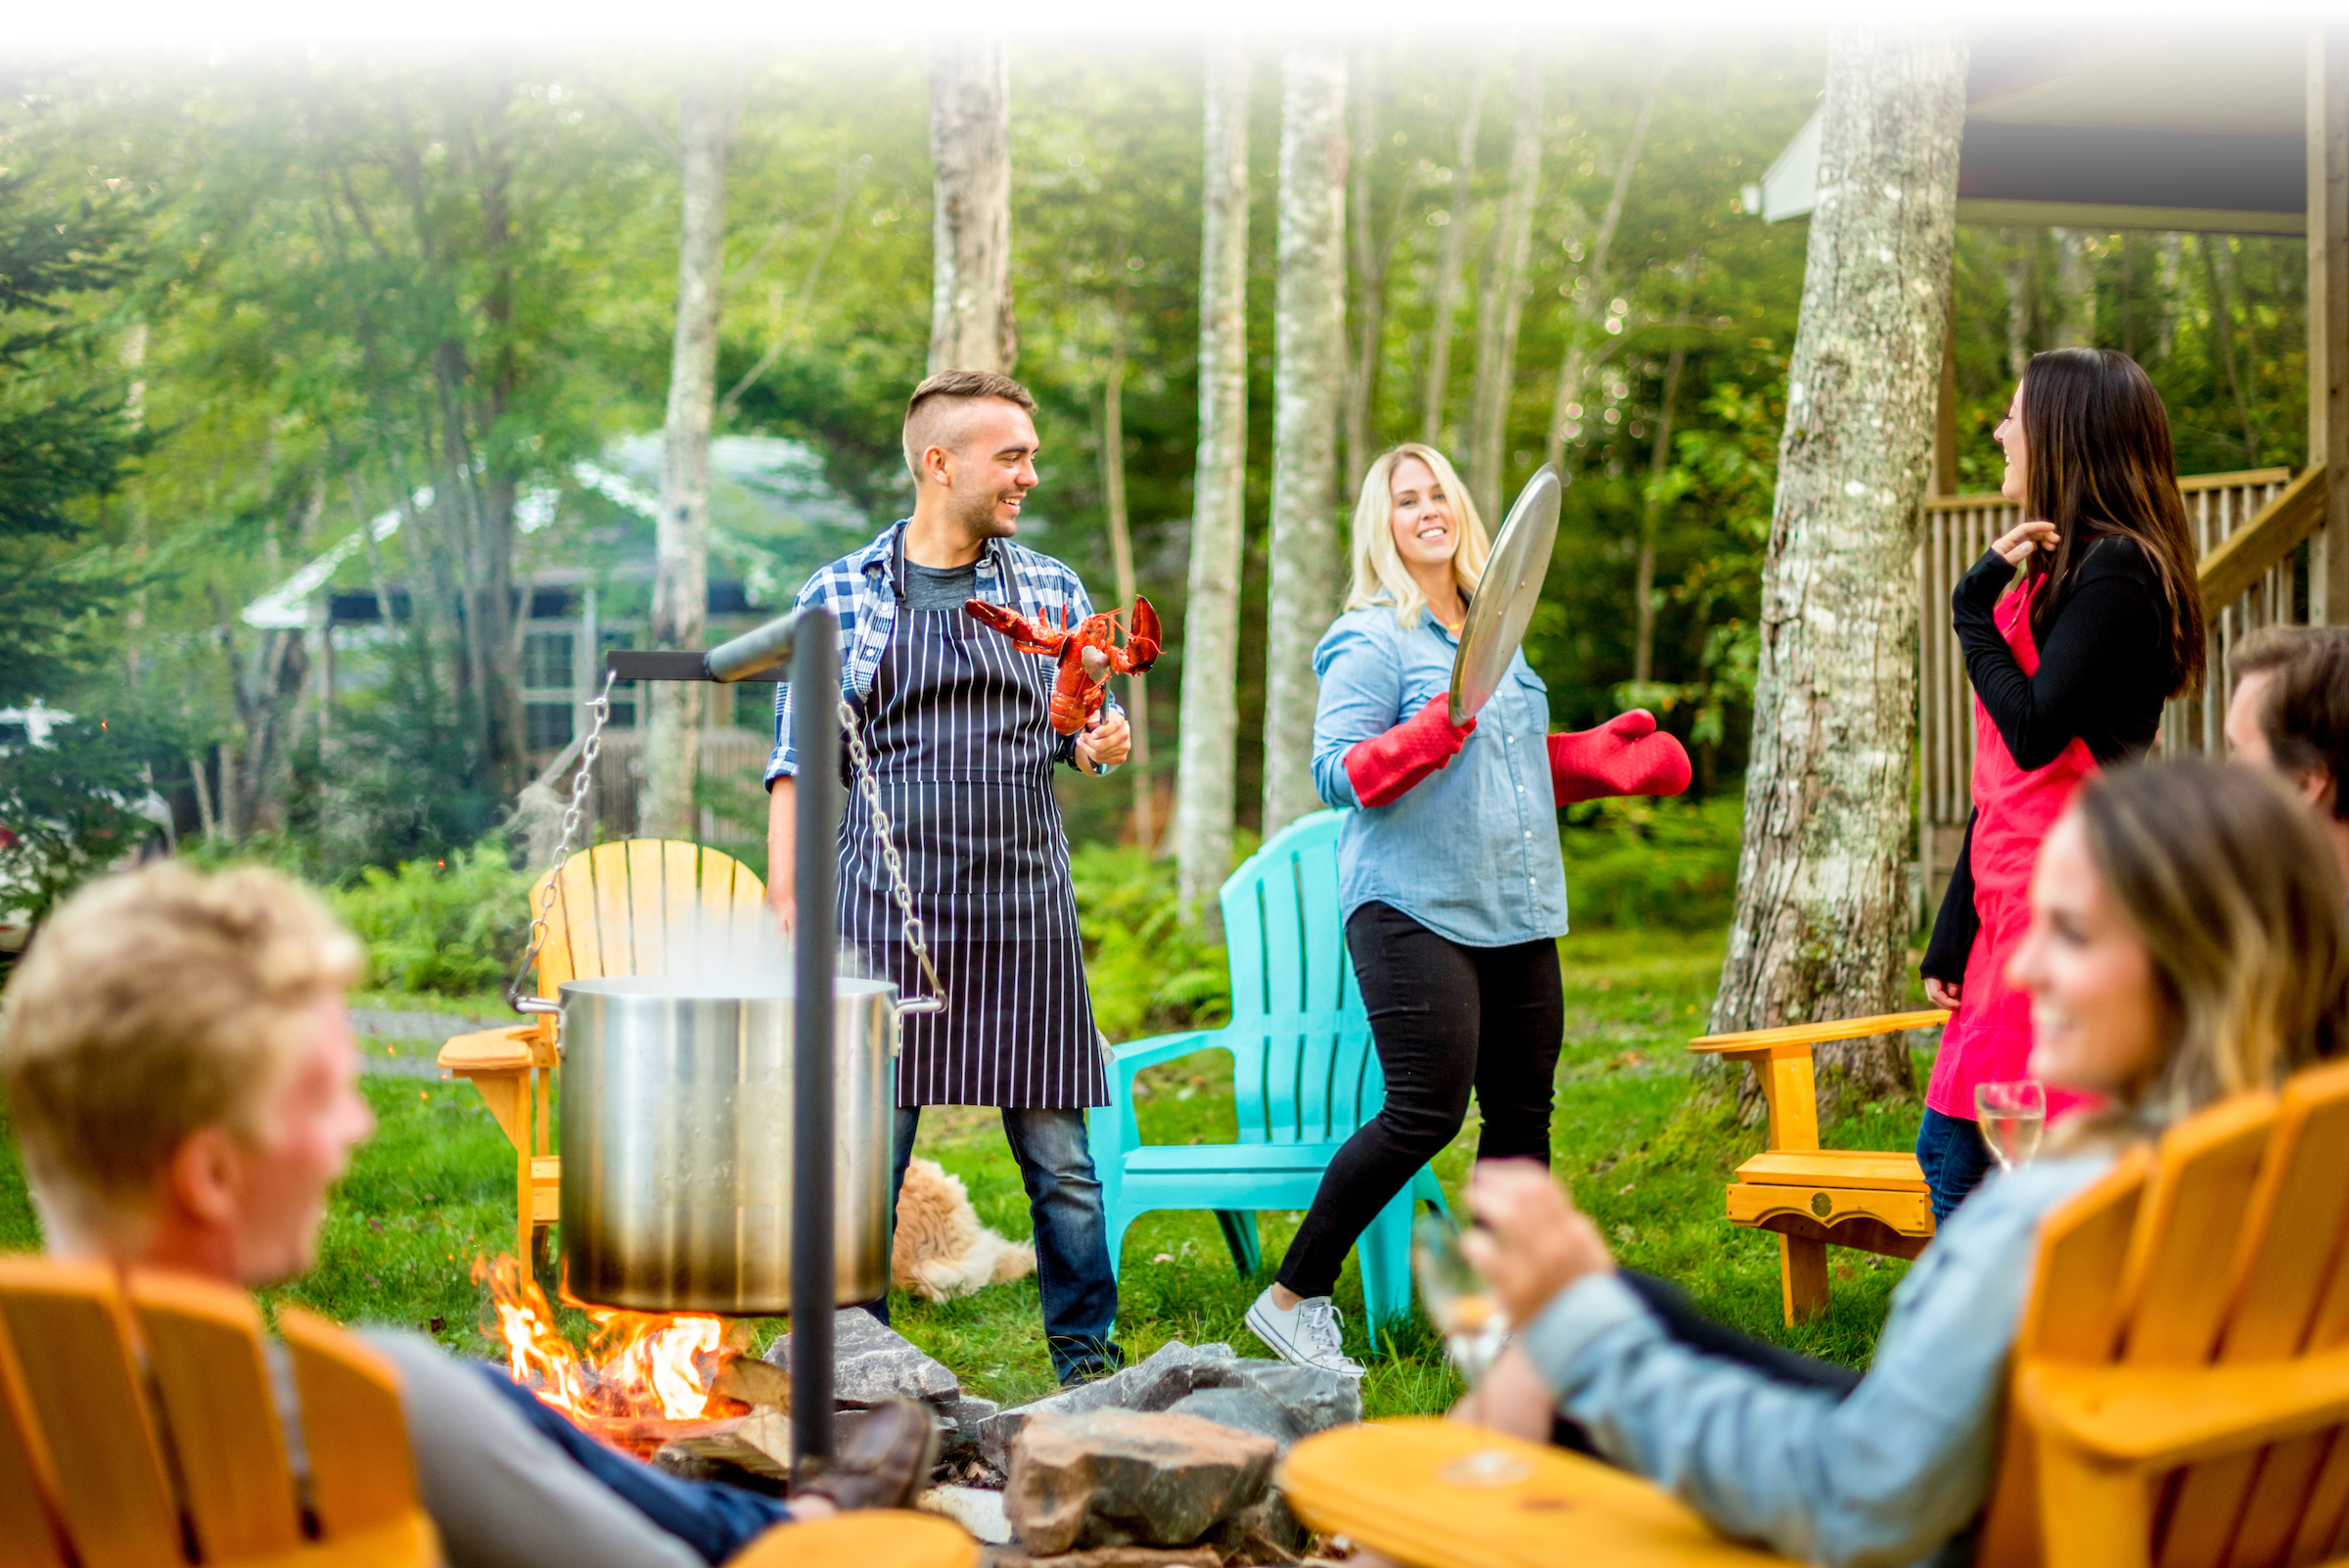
(2012, 1115)
(1474, 1326)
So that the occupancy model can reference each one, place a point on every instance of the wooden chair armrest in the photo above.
(1796, 1039)
(492, 1051)
(875, 1538)
(1383, 1485)
(2159, 1418)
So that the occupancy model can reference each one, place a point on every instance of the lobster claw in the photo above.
(1142, 644)
(1028, 636)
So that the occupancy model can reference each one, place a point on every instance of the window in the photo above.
(623, 692)
(546, 660)
(549, 726)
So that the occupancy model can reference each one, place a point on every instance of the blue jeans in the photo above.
(1953, 1158)
(717, 1521)
(1071, 1234)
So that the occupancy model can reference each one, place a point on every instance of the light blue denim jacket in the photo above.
(1893, 1473)
(1472, 852)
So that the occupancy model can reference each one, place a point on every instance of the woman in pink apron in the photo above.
(2070, 664)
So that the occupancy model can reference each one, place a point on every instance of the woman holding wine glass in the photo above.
(2077, 626)
(2187, 943)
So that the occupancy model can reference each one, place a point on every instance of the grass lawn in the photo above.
(435, 1188)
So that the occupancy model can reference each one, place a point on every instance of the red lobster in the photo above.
(1087, 657)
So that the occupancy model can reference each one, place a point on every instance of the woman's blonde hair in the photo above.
(2236, 894)
(1378, 574)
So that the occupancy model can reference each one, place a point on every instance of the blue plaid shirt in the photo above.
(856, 588)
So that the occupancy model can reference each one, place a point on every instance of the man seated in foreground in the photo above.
(185, 1089)
(2289, 711)
(2187, 943)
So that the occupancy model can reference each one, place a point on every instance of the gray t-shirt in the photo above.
(940, 588)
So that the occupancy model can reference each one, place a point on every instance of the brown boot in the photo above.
(886, 1462)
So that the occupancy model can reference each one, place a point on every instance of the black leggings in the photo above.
(1446, 1020)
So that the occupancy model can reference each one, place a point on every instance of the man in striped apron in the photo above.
(955, 721)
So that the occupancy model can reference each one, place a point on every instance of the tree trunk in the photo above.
(1211, 620)
(2075, 291)
(2019, 261)
(1503, 307)
(1121, 551)
(672, 746)
(1447, 263)
(971, 325)
(1574, 371)
(1659, 462)
(1823, 912)
(1373, 259)
(1308, 380)
(2222, 325)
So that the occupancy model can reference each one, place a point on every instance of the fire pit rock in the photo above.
(1312, 1398)
(1249, 1410)
(873, 1362)
(1120, 1478)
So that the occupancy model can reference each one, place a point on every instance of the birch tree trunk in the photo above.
(1308, 382)
(1211, 623)
(1823, 912)
(672, 747)
(1121, 552)
(971, 326)
(1503, 309)
(1448, 264)
(2075, 291)
(1643, 576)
(1574, 371)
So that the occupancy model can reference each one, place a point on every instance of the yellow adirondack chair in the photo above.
(2180, 1392)
(100, 1458)
(621, 909)
(1815, 1198)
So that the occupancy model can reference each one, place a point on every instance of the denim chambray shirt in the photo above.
(1472, 852)
(1894, 1472)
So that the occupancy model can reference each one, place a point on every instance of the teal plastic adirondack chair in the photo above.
(1303, 1072)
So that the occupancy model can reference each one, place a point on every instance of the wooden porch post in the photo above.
(2329, 310)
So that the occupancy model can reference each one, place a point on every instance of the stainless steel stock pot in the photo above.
(676, 1128)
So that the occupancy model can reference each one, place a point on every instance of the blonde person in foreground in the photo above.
(2186, 944)
(185, 1089)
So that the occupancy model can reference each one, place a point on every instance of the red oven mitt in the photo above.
(1385, 767)
(1625, 755)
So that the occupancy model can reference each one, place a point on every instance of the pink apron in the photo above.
(1989, 1040)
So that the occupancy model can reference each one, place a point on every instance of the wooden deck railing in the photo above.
(2251, 530)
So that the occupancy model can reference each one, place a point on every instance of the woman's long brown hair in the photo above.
(2230, 885)
(2097, 461)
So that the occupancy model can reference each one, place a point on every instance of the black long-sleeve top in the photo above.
(2105, 668)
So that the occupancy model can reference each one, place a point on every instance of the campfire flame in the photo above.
(640, 1370)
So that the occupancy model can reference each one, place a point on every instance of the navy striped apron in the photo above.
(957, 726)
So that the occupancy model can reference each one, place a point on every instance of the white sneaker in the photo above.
(1308, 1334)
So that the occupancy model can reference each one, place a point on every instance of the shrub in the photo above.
(455, 926)
(1151, 973)
(1635, 863)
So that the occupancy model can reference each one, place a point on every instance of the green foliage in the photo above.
(1636, 864)
(455, 925)
(1150, 972)
(68, 810)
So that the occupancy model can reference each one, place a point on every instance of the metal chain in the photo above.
(870, 786)
(601, 708)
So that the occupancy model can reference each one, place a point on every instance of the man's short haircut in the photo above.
(150, 1005)
(932, 413)
(2304, 713)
